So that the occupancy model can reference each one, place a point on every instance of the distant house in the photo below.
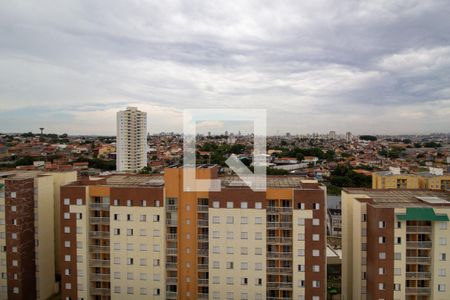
(310, 159)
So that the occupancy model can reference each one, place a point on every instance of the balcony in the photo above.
(171, 222)
(418, 229)
(99, 206)
(419, 245)
(202, 252)
(203, 267)
(202, 237)
(202, 282)
(418, 259)
(99, 234)
(100, 291)
(203, 208)
(171, 280)
(171, 207)
(171, 295)
(280, 255)
(171, 236)
(287, 225)
(279, 285)
(171, 266)
(278, 270)
(172, 251)
(418, 290)
(99, 220)
(100, 277)
(279, 240)
(418, 275)
(98, 248)
(99, 262)
(202, 296)
(202, 223)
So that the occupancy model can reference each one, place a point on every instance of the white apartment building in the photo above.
(131, 139)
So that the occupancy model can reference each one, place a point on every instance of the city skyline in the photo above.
(315, 66)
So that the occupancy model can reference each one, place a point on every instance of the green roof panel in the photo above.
(421, 214)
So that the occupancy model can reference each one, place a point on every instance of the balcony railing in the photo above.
(100, 291)
(171, 207)
(418, 259)
(202, 281)
(418, 290)
(99, 206)
(202, 223)
(100, 277)
(279, 285)
(99, 234)
(171, 295)
(418, 275)
(171, 236)
(419, 245)
(98, 248)
(279, 254)
(172, 251)
(277, 270)
(417, 229)
(171, 266)
(279, 225)
(171, 280)
(203, 267)
(171, 222)
(279, 239)
(202, 237)
(202, 252)
(99, 262)
(97, 220)
(202, 208)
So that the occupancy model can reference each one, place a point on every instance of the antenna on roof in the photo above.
(42, 130)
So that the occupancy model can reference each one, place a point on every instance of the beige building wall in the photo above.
(435, 182)
(3, 281)
(145, 277)
(243, 245)
(352, 238)
(59, 179)
(81, 213)
(380, 181)
(44, 236)
(440, 270)
(400, 265)
(298, 249)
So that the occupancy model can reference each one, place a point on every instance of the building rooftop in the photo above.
(403, 198)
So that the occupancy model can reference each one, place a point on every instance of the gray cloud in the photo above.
(363, 66)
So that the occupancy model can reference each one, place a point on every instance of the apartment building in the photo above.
(141, 236)
(27, 232)
(131, 142)
(395, 244)
(435, 179)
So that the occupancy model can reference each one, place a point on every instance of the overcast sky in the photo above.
(360, 66)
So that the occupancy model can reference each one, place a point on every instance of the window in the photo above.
(129, 217)
(229, 204)
(155, 218)
(67, 244)
(130, 261)
(316, 206)
(244, 235)
(156, 233)
(143, 202)
(315, 283)
(244, 266)
(258, 235)
(316, 237)
(381, 239)
(230, 250)
(116, 260)
(316, 252)
(230, 265)
(216, 204)
(381, 286)
(258, 205)
(129, 247)
(301, 221)
(382, 255)
(142, 276)
(244, 204)
(398, 240)
(230, 235)
(129, 276)
(258, 266)
(397, 255)
(258, 251)
(216, 249)
(244, 250)
(142, 261)
(67, 272)
(301, 268)
(244, 280)
(441, 287)
(156, 247)
(442, 225)
(229, 280)
(129, 203)
(216, 265)
(66, 229)
(244, 220)
(230, 220)
(68, 286)
(258, 220)
(301, 237)
(143, 291)
(130, 289)
(116, 275)
(116, 203)
(216, 279)
(301, 283)
(397, 271)
(381, 271)
(316, 268)
(381, 224)
(156, 292)
(67, 258)
(143, 218)
(301, 252)
(143, 247)
(316, 222)
(216, 235)
(66, 201)
(13, 195)
(443, 256)
(216, 219)
(443, 241)
(129, 232)
(156, 262)
(116, 217)
(441, 272)
(116, 231)
(142, 232)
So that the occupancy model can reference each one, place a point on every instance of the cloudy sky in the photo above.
(350, 65)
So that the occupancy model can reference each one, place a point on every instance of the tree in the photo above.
(368, 137)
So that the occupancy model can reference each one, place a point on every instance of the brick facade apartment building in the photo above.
(143, 237)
